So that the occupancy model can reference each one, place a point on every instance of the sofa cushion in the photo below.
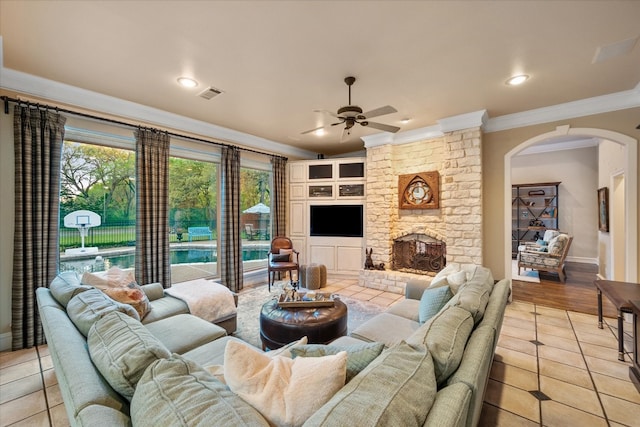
(277, 386)
(396, 389)
(432, 301)
(65, 286)
(407, 308)
(121, 286)
(386, 328)
(445, 335)
(184, 332)
(121, 348)
(557, 244)
(88, 307)
(358, 356)
(474, 299)
(178, 392)
(164, 307)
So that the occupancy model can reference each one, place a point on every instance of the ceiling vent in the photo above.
(209, 93)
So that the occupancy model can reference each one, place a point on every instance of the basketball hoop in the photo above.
(83, 221)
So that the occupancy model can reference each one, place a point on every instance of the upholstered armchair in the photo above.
(282, 257)
(550, 258)
(541, 243)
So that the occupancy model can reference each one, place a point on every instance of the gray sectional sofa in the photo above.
(114, 370)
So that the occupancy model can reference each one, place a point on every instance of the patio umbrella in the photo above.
(260, 208)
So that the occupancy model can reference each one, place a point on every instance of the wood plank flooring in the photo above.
(577, 294)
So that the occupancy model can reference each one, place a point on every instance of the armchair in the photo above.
(281, 258)
(551, 259)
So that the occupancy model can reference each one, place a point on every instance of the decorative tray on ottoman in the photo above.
(301, 300)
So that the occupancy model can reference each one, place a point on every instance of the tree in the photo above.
(193, 189)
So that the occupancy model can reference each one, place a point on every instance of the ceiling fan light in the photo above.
(187, 82)
(517, 80)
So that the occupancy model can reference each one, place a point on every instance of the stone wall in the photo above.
(457, 156)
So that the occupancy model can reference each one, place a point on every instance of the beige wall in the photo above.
(494, 147)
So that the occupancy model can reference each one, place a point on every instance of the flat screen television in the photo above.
(336, 220)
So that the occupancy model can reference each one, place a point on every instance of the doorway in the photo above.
(629, 217)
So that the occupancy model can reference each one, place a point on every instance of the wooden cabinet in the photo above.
(534, 210)
(326, 183)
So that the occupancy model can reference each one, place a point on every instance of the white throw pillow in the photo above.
(456, 280)
(279, 387)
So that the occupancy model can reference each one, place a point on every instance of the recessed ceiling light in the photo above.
(405, 120)
(319, 132)
(187, 82)
(517, 80)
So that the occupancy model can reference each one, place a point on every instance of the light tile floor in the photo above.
(568, 376)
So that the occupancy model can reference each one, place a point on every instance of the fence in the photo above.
(122, 233)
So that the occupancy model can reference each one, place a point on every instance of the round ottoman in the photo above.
(313, 276)
(321, 325)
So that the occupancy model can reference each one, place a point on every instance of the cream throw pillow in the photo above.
(121, 286)
(285, 391)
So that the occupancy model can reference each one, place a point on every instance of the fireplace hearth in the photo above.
(418, 253)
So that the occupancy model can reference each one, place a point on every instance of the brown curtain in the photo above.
(38, 136)
(279, 196)
(230, 253)
(153, 263)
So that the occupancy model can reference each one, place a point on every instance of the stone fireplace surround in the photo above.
(457, 156)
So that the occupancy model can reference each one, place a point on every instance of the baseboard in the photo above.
(582, 260)
(5, 341)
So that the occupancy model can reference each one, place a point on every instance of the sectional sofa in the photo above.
(114, 370)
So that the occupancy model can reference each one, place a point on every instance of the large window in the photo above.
(97, 181)
(193, 201)
(255, 217)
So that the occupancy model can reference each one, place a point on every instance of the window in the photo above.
(193, 202)
(255, 216)
(100, 181)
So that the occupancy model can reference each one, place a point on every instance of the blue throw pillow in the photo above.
(542, 242)
(432, 301)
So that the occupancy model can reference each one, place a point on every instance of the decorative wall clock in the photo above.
(419, 191)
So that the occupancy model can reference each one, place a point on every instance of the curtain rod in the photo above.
(7, 100)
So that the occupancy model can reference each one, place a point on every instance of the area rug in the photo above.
(526, 275)
(250, 302)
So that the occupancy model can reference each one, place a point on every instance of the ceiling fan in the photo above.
(350, 114)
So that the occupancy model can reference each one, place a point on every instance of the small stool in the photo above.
(313, 276)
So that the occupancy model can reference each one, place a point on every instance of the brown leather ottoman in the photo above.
(321, 325)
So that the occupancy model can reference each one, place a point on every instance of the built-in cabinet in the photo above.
(534, 210)
(326, 182)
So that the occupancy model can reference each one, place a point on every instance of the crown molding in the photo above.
(31, 85)
(569, 110)
(463, 121)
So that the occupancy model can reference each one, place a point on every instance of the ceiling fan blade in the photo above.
(327, 112)
(311, 130)
(380, 126)
(387, 109)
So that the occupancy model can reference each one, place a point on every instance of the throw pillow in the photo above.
(557, 244)
(277, 386)
(456, 280)
(65, 286)
(280, 257)
(178, 392)
(287, 252)
(358, 355)
(121, 286)
(432, 301)
(396, 389)
(121, 348)
(285, 351)
(88, 307)
(445, 335)
(438, 282)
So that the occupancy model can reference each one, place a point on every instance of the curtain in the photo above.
(38, 136)
(153, 263)
(230, 253)
(279, 196)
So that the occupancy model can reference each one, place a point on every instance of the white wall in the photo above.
(577, 169)
(6, 226)
(611, 160)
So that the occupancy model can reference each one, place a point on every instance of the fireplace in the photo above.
(418, 253)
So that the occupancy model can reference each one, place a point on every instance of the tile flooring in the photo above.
(552, 368)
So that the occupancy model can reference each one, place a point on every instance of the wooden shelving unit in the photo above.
(534, 210)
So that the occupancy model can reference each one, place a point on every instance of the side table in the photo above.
(634, 369)
(619, 293)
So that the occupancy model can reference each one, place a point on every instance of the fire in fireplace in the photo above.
(419, 253)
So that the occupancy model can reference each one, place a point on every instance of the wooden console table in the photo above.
(619, 293)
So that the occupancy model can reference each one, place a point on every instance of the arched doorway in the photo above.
(630, 190)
